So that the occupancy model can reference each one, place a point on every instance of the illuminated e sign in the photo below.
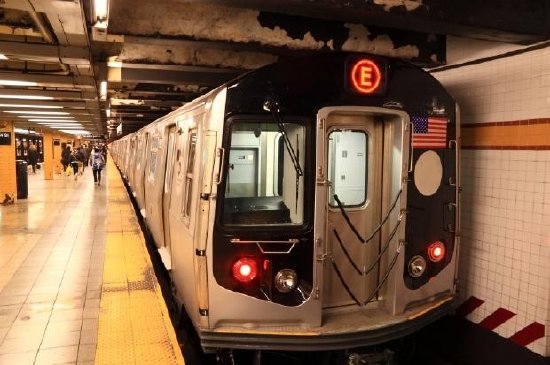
(365, 76)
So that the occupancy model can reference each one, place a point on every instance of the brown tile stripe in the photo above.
(529, 134)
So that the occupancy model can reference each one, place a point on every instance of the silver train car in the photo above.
(312, 204)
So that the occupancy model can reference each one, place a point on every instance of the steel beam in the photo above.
(517, 21)
(170, 74)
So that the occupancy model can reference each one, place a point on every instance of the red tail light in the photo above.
(245, 269)
(436, 251)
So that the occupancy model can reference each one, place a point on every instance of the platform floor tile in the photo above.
(56, 249)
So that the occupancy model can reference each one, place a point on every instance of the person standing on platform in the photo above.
(97, 161)
(32, 154)
(66, 157)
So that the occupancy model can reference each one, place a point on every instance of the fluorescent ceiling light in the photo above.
(51, 120)
(46, 116)
(31, 106)
(103, 90)
(3, 56)
(70, 131)
(26, 97)
(101, 13)
(65, 122)
(34, 112)
(17, 83)
(64, 127)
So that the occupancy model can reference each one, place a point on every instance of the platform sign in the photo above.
(5, 138)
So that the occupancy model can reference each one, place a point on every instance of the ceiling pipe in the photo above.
(48, 36)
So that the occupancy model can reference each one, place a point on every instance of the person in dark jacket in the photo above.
(32, 155)
(66, 157)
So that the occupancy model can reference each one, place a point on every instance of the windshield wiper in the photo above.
(273, 107)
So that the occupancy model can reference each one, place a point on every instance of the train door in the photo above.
(169, 173)
(139, 176)
(352, 164)
(243, 172)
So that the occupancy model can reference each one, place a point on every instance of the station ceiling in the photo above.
(155, 55)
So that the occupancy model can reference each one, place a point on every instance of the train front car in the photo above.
(336, 206)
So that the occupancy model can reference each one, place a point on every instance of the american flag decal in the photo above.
(429, 132)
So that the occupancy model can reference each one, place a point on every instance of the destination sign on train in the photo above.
(365, 76)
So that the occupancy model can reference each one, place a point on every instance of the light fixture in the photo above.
(417, 266)
(51, 120)
(17, 83)
(3, 56)
(101, 13)
(436, 251)
(245, 269)
(286, 280)
(31, 106)
(75, 126)
(103, 90)
(70, 131)
(46, 116)
(108, 113)
(26, 97)
(35, 112)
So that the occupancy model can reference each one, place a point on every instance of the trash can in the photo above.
(22, 179)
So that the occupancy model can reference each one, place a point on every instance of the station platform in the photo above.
(76, 282)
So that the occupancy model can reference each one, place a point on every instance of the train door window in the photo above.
(169, 160)
(153, 158)
(347, 167)
(189, 173)
(243, 172)
(264, 183)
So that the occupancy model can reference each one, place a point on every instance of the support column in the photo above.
(8, 181)
(48, 155)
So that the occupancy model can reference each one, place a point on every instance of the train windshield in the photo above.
(263, 182)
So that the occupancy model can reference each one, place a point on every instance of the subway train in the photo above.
(309, 205)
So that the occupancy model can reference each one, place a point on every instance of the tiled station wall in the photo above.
(505, 253)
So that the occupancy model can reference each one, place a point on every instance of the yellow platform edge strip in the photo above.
(134, 323)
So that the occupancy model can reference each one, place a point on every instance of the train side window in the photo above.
(347, 167)
(152, 165)
(189, 173)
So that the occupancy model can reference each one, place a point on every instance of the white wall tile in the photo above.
(505, 257)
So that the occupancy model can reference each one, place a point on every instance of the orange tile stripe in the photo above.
(529, 134)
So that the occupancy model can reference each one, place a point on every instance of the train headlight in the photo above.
(436, 251)
(286, 280)
(417, 266)
(245, 269)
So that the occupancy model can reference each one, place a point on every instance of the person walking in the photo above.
(85, 157)
(32, 155)
(97, 161)
(66, 157)
(75, 161)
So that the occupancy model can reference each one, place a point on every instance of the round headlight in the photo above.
(286, 280)
(417, 266)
